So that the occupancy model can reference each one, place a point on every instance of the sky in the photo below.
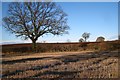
(96, 18)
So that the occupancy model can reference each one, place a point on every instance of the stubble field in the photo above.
(57, 65)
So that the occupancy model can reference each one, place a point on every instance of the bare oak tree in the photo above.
(30, 20)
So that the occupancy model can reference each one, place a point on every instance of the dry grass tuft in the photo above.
(62, 65)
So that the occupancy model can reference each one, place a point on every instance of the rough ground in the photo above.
(62, 65)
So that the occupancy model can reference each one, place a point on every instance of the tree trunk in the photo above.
(34, 46)
(85, 39)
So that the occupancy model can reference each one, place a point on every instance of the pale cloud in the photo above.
(26, 41)
(114, 37)
(14, 41)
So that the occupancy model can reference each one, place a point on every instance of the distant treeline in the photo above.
(61, 47)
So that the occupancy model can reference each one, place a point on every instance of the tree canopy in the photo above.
(34, 19)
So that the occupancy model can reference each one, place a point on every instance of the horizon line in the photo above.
(7, 43)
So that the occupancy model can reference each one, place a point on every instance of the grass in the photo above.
(61, 60)
(62, 65)
(60, 47)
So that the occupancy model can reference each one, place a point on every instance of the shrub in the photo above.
(56, 47)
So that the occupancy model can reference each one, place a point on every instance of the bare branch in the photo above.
(34, 19)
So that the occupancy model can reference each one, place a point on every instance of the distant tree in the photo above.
(68, 40)
(44, 41)
(100, 39)
(81, 40)
(85, 35)
(34, 19)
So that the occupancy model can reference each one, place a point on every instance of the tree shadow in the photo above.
(62, 74)
(23, 60)
(65, 60)
(40, 67)
(79, 57)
